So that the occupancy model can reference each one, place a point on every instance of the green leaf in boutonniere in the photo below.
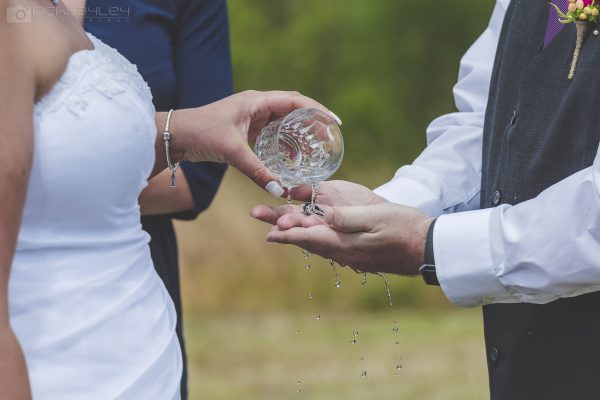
(584, 13)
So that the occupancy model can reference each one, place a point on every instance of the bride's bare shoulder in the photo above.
(39, 37)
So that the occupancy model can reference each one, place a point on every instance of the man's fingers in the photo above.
(271, 214)
(295, 220)
(289, 221)
(313, 220)
(302, 193)
(349, 219)
(319, 239)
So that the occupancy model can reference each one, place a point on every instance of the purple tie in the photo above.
(554, 26)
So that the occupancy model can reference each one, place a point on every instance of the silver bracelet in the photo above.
(166, 137)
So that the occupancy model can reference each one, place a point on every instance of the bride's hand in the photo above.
(221, 131)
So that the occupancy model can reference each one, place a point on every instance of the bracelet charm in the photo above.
(166, 138)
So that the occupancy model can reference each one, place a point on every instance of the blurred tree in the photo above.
(386, 67)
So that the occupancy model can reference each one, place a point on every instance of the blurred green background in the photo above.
(387, 69)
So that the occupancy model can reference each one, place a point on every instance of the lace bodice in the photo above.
(102, 69)
(93, 318)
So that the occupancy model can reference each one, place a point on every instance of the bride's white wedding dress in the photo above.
(92, 316)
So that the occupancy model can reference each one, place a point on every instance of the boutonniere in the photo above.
(584, 13)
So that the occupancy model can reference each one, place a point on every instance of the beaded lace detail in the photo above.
(102, 69)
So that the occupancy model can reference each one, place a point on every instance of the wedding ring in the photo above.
(310, 209)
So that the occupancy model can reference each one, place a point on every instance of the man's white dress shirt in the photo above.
(537, 251)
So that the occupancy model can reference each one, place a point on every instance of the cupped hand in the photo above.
(222, 131)
(339, 193)
(331, 193)
(377, 238)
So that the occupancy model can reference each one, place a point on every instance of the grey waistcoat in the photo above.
(540, 128)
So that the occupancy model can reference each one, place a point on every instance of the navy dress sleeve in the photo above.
(203, 72)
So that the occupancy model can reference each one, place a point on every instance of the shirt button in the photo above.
(513, 120)
(497, 197)
(494, 354)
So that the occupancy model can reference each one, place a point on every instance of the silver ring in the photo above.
(310, 209)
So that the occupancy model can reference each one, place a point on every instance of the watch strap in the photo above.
(428, 271)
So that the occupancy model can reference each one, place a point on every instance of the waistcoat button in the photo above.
(494, 354)
(497, 198)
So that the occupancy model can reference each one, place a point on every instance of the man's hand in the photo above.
(331, 193)
(339, 193)
(378, 238)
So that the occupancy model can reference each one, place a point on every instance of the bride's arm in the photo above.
(17, 92)
(221, 131)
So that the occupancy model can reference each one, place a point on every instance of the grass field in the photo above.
(244, 301)
(263, 357)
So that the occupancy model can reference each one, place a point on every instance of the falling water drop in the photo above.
(310, 296)
(318, 316)
(289, 197)
(305, 253)
(387, 287)
(313, 198)
(363, 374)
(361, 359)
(298, 332)
(353, 341)
(307, 266)
(363, 281)
(299, 383)
(338, 283)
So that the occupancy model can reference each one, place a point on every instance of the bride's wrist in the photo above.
(177, 136)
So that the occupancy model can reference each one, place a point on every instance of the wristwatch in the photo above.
(427, 270)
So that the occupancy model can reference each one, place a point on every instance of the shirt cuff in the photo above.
(463, 259)
(409, 192)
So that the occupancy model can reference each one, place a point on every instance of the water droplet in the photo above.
(310, 296)
(297, 332)
(318, 316)
(353, 341)
(363, 374)
(363, 281)
(387, 287)
(338, 283)
(397, 343)
(361, 359)
(307, 266)
(289, 197)
(398, 367)
(305, 253)
(299, 383)
(355, 333)
(395, 329)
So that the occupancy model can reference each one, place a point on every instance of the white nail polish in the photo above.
(275, 189)
(337, 119)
